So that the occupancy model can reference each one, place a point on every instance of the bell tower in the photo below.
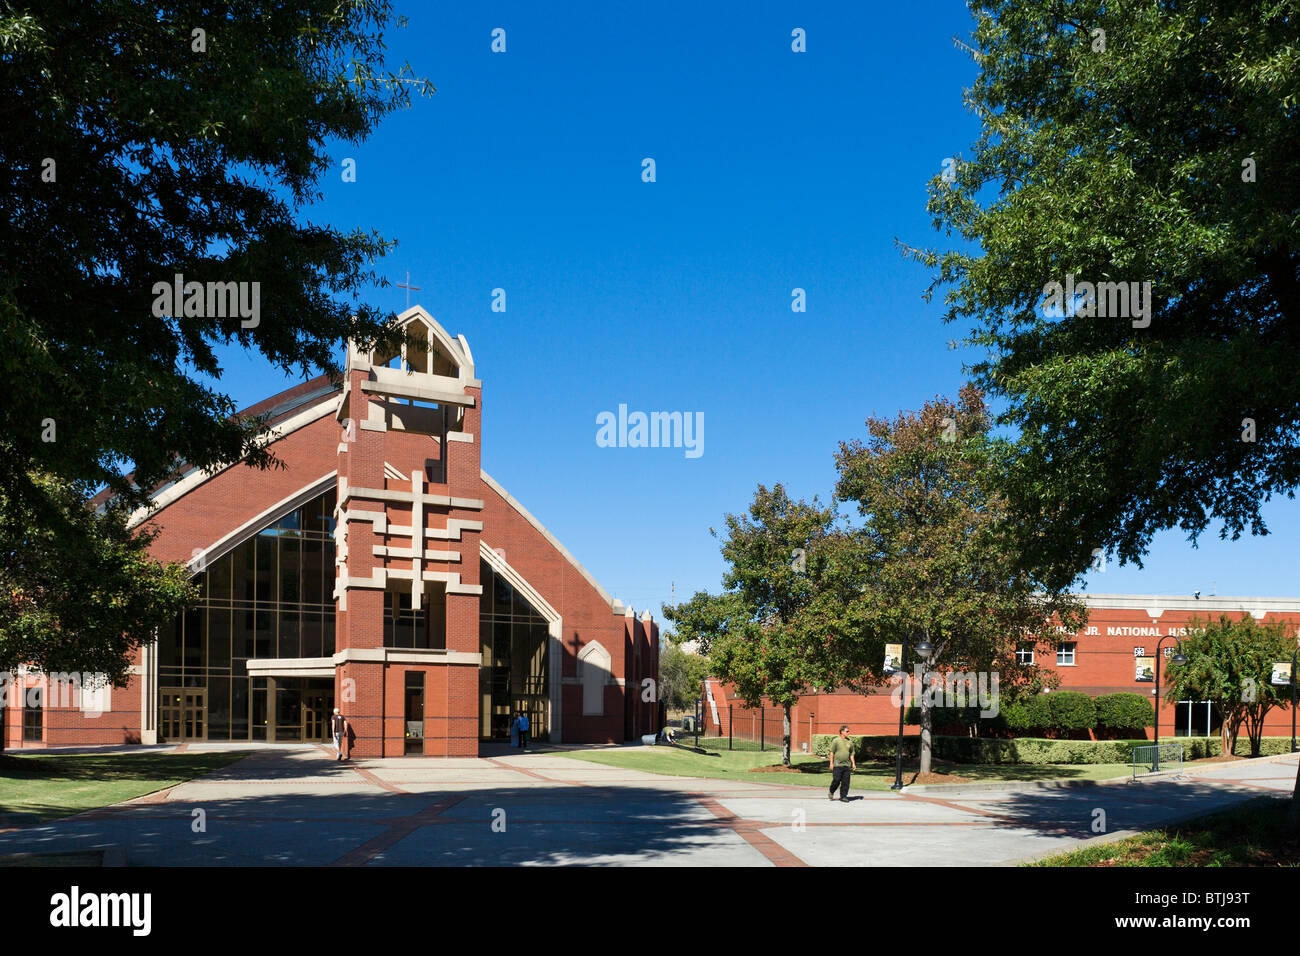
(407, 532)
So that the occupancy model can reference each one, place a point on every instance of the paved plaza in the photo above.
(298, 806)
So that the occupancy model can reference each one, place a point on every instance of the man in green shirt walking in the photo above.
(842, 763)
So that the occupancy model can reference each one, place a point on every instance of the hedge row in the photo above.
(1037, 750)
(1061, 712)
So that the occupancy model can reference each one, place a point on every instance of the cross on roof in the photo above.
(408, 287)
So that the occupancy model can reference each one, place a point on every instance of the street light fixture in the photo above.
(1180, 659)
(923, 650)
(1294, 654)
(902, 708)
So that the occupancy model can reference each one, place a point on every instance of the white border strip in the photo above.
(196, 477)
(224, 545)
(527, 516)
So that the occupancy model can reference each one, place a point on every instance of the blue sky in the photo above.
(775, 170)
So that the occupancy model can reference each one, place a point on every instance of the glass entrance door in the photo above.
(183, 713)
(316, 710)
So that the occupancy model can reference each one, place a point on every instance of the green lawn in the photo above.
(723, 764)
(1254, 834)
(60, 785)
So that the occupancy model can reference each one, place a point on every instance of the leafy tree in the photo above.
(681, 673)
(758, 631)
(139, 141)
(944, 565)
(1230, 662)
(50, 617)
(1136, 142)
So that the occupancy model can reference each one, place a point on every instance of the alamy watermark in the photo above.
(91, 692)
(213, 300)
(651, 430)
(1116, 300)
(950, 689)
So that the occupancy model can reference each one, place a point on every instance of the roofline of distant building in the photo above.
(1155, 604)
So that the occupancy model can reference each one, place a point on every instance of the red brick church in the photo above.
(381, 571)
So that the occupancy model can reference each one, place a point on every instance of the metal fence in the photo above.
(761, 726)
(1148, 758)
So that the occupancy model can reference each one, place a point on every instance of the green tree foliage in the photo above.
(944, 564)
(1028, 715)
(169, 159)
(50, 617)
(139, 141)
(1123, 715)
(1133, 142)
(771, 632)
(1230, 662)
(1071, 713)
(681, 674)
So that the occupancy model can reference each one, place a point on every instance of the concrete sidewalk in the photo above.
(298, 806)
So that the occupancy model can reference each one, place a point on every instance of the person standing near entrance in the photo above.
(842, 763)
(523, 730)
(339, 730)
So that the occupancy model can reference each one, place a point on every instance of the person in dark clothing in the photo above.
(842, 763)
(339, 730)
(523, 731)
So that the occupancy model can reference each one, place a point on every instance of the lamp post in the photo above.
(1178, 658)
(902, 707)
(1294, 654)
(923, 650)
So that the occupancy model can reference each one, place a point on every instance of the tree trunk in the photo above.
(1255, 727)
(785, 735)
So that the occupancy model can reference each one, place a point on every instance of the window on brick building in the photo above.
(514, 640)
(1065, 654)
(272, 595)
(407, 627)
(1025, 656)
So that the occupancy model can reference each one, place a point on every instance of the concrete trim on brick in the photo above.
(290, 667)
(1156, 604)
(406, 655)
(551, 539)
(409, 497)
(227, 543)
(170, 494)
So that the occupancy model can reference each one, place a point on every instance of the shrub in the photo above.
(1072, 713)
(1123, 714)
(1035, 750)
(1027, 715)
(945, 720)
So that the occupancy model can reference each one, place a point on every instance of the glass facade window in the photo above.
(410, 628)
(272, 596)
(514, 676)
